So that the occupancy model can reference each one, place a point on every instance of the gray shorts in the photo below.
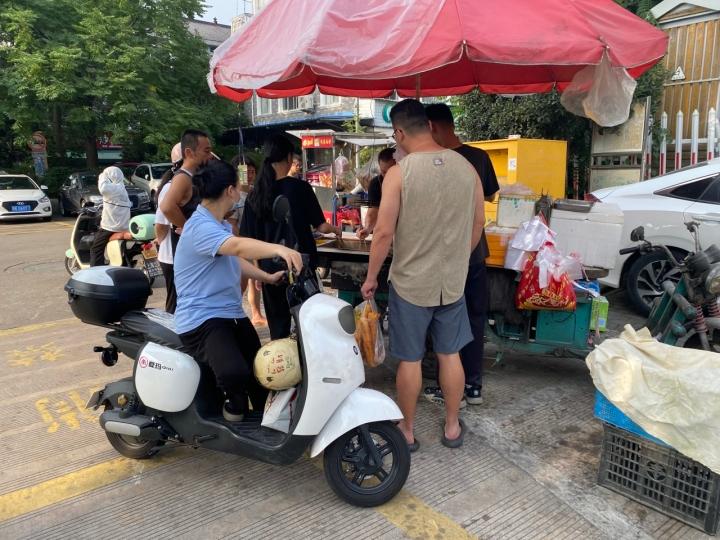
(449, 327)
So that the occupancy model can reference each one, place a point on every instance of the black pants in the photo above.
(168, 271)
(277, 310)
(476, 299)
(97, 251)
(229, 347)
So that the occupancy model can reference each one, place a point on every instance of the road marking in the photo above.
(33, 327)
(62, 488)
(418, 520)
(35, 353)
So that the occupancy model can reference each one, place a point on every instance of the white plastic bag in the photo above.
(279, 409)
(602, 93)
(532, 235)
(515, 259)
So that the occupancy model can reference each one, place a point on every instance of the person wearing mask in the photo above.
(182, 196)
(442, 126)
(235, 217)
(385, 161)
(432, 214)
(115, 212)
(210, 262)
(162, 233)
(257, 222)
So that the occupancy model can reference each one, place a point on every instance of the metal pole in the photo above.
(678, 140)
(694, 136)
(663, 144)
(711, 134)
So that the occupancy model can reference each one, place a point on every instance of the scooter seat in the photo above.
(156, 325)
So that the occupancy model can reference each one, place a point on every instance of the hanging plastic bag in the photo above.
(532, 235)
(279, 409)
(368, 334)
(558, 294)
(602, 93)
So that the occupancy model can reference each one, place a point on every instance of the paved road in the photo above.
(527, 469)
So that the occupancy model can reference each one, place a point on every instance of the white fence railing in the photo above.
(709, 144)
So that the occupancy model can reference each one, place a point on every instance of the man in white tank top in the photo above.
(432, 213)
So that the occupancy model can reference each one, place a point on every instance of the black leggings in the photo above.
(97, 251)
(168, 271)
(229, 347)
(277, 310)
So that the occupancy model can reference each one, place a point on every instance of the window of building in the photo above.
(289, 104)
(326, 100)
(264, 106)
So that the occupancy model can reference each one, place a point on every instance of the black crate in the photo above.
(661, 478)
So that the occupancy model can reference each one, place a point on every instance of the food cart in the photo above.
(319, 152)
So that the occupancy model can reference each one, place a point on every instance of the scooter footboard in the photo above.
(362, 406)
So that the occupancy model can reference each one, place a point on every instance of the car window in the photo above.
(16, 182)
(141, 171)
(159, 170)
(712, 194)
(690, 191)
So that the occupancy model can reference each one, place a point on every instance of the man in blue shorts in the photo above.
(432, 214)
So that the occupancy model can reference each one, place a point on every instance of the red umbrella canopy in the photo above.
(372, 48)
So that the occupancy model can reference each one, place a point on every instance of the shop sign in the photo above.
(317, 141)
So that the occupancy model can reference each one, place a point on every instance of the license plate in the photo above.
(21, 208)
(152, 267)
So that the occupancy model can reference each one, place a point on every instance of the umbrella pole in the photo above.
(417, 87)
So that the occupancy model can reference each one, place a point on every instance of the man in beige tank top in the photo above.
(432, 214)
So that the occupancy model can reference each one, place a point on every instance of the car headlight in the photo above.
(45, 199)
(712, 281)
(95, 199)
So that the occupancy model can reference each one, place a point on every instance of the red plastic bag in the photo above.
(558, 295)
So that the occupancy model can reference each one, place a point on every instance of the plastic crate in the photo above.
(661, 478)
(610, 414)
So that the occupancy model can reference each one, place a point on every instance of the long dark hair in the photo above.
(276, 149)
(214, 178)
(168, 175)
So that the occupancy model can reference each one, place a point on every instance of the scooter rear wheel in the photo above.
(367, 466)
(133, 447)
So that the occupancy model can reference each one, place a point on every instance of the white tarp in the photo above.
(672, 393)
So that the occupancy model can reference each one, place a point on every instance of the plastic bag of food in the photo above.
(279, 410)
(556, 294)
(368, 334)
(532, 235)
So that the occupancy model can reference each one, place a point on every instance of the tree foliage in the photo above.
(77, 68)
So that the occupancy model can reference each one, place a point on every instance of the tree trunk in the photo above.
(91, 154)
(58, 133)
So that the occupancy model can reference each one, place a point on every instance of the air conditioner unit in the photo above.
(307, 103)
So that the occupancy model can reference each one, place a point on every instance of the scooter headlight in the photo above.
(712, 282)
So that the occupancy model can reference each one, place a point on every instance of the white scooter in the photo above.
(131, 248)
(172, 399)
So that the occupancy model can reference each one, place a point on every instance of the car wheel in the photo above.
(644, 280)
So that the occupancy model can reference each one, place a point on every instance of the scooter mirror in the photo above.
(281, 209)
(638, 234)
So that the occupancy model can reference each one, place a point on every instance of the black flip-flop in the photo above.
(414, 446)
(458, 441)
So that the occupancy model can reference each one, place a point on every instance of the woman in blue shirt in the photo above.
(209, 265)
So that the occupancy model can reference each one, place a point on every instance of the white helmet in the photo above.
(277, 365)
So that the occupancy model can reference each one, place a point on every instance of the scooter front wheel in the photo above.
(368, 465)
(71, 265)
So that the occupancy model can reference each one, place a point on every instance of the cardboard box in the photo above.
(599, 316)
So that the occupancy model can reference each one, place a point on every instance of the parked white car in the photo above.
(147, 176)
(22, 198)
(663, 205)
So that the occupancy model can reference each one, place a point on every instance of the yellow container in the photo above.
(498, 239)
(537, 163)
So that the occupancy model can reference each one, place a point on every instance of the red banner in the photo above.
(317, 141)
